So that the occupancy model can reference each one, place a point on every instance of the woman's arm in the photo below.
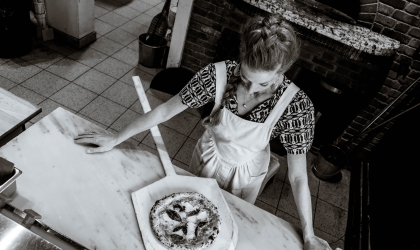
(158, 115)
(298, 178)
(204, 79)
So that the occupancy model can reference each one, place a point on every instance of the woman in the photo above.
(254, 103)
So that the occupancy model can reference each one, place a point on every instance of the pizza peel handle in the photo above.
(157, 137)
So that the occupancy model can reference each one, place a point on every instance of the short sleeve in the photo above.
(296, 126)
(201, 89)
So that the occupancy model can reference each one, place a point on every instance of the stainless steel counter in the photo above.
(16, 237)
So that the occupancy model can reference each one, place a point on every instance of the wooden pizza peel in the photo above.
(145, 198)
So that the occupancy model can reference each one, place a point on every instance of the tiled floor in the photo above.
(95, 83)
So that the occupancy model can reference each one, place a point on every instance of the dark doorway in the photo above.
(394, 169)
(335, 105)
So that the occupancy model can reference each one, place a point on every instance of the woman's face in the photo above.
(257, 80)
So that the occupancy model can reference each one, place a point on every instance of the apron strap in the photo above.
(284, 101)
(221, 81)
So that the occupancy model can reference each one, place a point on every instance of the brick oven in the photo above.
(348, 87)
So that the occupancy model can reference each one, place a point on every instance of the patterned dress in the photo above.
(295, 128)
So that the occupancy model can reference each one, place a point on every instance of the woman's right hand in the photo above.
(105, 142)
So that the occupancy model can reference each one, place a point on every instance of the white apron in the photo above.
(237, 152)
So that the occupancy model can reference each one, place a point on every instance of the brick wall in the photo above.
(360, 81)
(395, 18)
(208, 19)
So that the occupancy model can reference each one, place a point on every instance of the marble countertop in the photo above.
(14, 111)
(360, 38)
(87, 197)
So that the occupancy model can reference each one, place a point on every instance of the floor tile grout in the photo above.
(332, 204)
(338, 238)
(118, 117)
(117, 79)
(281, 193)
(316, 204)
(265, 203)
(48, 97)
(78, 113)
(181, 148)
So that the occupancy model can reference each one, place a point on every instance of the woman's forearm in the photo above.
(302, 198)
(140, 124)
(158, 115)
(299, 181)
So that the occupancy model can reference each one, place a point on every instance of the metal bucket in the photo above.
(327, 166)
(152, 50)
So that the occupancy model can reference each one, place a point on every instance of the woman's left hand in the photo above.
(316, 243)
(105, 142)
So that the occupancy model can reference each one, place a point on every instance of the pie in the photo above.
(185, 221)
